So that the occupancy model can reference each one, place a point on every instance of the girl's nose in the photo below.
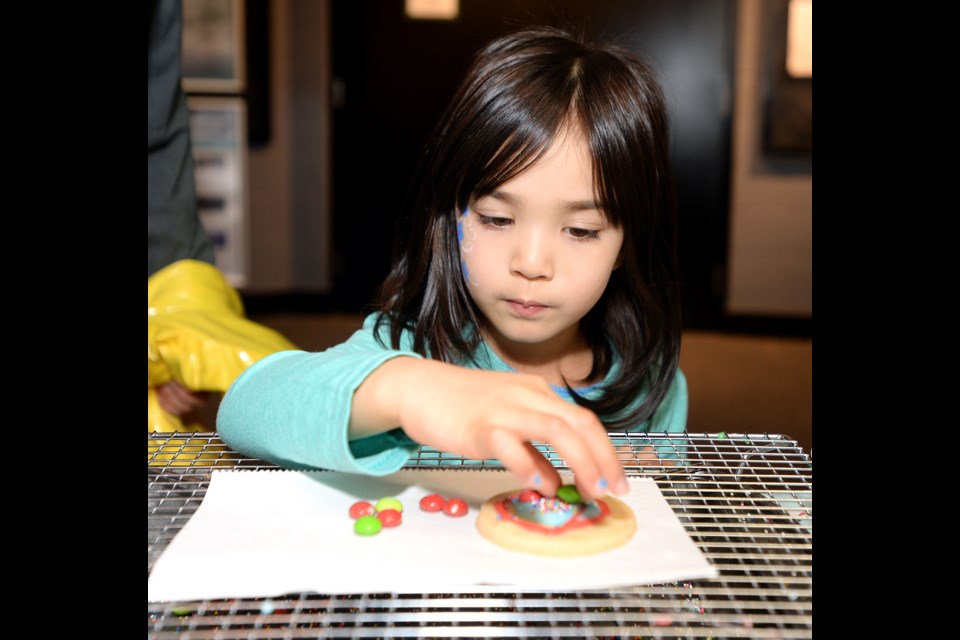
(532, 257)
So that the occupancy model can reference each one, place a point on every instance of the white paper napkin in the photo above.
(269, 533)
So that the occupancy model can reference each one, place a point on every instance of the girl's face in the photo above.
(537, 253)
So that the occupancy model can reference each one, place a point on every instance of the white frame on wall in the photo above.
(218, 127)
(213, 53)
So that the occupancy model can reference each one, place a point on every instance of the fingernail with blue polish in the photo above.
(602, 484)
(537, 480)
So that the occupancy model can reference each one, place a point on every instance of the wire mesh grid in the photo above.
(744, 499)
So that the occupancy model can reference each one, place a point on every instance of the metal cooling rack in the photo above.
(745, 500)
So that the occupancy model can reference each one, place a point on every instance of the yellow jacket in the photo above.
(198, 336)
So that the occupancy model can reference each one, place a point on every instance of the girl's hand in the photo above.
(645, 457)
(489, 414)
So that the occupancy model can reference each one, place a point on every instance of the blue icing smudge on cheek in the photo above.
(466, 246)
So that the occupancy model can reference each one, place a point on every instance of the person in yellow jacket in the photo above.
(198, 340)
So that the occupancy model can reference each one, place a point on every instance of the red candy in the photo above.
(455, 507)
(359, 509)
(432, 503)
(389, 517)
(529, 495)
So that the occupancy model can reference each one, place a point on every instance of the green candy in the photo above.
(388, 503)
(181, 611)
(367, 526)
(569, 494)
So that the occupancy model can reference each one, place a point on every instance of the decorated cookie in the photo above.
(529, 522)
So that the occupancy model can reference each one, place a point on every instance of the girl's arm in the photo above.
(488, 414)
(293, 408)
(339, 409)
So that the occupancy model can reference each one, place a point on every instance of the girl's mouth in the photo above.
(526, 308)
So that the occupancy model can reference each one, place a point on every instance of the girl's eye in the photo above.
(494, 221)
(583, 234)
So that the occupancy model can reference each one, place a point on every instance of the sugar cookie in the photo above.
(529, 522)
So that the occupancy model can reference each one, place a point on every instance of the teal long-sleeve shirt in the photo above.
(292, 408)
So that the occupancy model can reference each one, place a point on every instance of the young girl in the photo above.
(534, 298)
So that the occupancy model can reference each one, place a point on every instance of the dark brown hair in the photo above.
(519, 92)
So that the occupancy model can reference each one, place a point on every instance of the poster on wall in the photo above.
(212, 53)
(217, 131)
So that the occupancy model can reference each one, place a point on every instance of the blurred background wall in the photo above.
(342, 95)
(339, 96)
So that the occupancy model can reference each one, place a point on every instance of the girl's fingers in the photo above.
(570, 444)
(524, 461)
(647, 456)
(546, 471)
(579, 437)
(598, 441)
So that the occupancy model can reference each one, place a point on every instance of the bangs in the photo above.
(516, 155)
(508, 130)
(508, 118)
